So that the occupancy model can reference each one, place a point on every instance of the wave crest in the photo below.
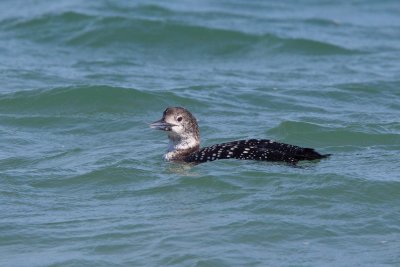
(79, 29)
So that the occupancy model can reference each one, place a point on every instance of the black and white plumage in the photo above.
(184, 143)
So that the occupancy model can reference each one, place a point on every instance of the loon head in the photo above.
(181, 126)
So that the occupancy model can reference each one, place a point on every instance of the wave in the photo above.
(77, 99)
(167, 34)
(90, 99)
(79, 29)
(349, 136)
(97, 177)
(46, 27)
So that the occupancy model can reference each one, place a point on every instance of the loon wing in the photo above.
(255, 149)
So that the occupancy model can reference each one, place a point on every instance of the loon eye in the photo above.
(179, 119)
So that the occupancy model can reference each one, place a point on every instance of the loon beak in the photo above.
(162, 125)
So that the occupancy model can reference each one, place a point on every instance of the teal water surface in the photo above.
(82, 180)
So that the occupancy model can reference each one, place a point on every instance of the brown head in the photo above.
(179, 123)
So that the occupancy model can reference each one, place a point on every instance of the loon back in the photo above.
(184, 143)
(255, 149)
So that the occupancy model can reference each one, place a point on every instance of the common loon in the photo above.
(184, 143)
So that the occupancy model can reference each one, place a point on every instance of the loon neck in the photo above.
(181, 146)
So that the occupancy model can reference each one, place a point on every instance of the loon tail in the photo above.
(309, 154)
(255, 149)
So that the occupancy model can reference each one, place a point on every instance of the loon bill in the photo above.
(184, 143)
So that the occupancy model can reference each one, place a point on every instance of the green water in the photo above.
(82, 180)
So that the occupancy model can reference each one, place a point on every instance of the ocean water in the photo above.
(82, 180)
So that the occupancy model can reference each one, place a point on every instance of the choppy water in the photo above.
(82, 181)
